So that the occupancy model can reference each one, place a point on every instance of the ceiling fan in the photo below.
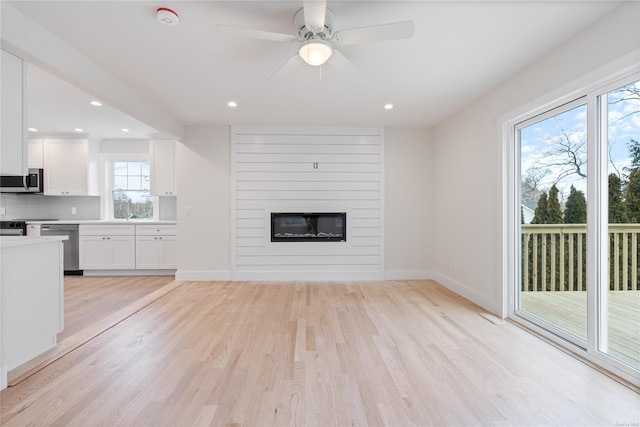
(315, 26)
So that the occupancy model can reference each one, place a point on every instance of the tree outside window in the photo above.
(131, 197)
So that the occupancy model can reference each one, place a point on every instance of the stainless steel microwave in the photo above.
(33, 182)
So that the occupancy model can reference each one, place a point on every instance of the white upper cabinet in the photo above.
(66, 167)
(13, 146)
(163, 173)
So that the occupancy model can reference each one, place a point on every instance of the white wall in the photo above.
(409, 208)
(468, 192)
(203, 167)
(204, 172)
(124, 146)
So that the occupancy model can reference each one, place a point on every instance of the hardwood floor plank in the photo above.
(357, 353)
(89, 299)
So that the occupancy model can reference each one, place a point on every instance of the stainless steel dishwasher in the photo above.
(71, 246)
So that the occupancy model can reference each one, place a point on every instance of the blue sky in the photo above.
(540, 148)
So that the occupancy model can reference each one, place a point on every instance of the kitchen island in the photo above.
(31, 298)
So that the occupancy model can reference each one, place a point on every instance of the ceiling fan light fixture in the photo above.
(316, 52)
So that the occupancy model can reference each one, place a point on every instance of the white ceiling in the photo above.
(461, 49)
(54, 106)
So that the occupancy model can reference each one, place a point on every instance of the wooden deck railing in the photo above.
(554, 257)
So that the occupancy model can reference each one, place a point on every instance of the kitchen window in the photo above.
(130, 195)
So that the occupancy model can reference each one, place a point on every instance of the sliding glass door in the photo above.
(620, 293)
(578, 234)
(553, 203)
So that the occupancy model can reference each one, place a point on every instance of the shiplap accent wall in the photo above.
(273, 171)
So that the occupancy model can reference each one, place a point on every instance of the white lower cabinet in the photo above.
(156, 247)
(107, 247)
(128, 247)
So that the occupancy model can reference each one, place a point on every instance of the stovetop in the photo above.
(12, 224)
(16, 224)
(13, 228)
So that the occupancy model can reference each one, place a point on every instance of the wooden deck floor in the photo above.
(318, 354)
(568, 310)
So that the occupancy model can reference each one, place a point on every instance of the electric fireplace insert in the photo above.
(308, 227)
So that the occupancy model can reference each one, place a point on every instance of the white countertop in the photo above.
(105, 222)
(15, 241)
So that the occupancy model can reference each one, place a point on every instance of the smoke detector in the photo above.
(167, 16)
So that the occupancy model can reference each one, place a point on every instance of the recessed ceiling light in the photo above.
(32, 130)
(78, 130)
(124, 130)
(232, 104)
(388, 106)
(96, 103)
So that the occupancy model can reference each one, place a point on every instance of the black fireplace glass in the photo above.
(308, 227)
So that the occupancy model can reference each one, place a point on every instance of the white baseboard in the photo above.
(408, 275)
(270, 276)
(467, 292)
(309, 276)
(203, 276)
(128, 272)
(279, 276)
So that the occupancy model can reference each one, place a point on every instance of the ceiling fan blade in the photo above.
(394, 31)
(255, 34)
(341, 64)
(314, 14)
(284, 69)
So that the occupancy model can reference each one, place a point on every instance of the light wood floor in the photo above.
(374, 353)
(90, 299)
